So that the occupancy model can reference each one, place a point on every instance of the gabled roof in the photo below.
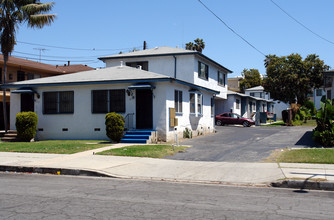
(161, 51)
(28, 64)
(256, 88)
(111, 75)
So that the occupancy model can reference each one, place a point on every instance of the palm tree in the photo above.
(190, 46)
(198, 46)
(14, 13)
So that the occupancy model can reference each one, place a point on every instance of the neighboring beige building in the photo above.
(234, 83)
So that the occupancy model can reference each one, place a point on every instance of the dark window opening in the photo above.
(20, 75)
(104, 101)
(143, 65)
(203, 71)
(178, 101)
(58, 102)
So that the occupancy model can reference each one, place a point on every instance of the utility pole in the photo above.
(40, 52)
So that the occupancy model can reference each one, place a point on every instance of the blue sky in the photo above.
(109, 26)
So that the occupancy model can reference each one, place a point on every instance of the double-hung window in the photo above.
(196, 103)
(221, 78)
(104, 101)
(58, 102)
(237, 103)
(192, 103)
(200, 104)
(178, 101)
(203, 71)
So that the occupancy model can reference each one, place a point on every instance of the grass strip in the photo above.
(54, 146)
(153, 151)
(322, 156)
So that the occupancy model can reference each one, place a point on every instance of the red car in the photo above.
(232, 118)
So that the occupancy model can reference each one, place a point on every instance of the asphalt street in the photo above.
(31, 196)
(240, 144)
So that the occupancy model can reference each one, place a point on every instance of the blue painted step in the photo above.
(135, 141)
(136, 137)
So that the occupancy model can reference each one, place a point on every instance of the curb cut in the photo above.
(304, 184)
(54, 171)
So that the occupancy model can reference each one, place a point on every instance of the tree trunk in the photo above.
(5, 59)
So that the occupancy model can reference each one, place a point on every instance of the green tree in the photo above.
(199, 45)
(14, 13)
(251, 78)
(290, 77)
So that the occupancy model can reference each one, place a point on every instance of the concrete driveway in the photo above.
(239, 144)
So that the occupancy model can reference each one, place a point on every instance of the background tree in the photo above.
(199, 45)
(290, 77)
(14, 13)
(251, 78)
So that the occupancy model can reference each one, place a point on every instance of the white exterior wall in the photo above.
(82, 123)
(279, 107)
(186, 69)
(164, 65)
(212, 81)
(229, 105)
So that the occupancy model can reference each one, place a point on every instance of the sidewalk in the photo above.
(259, 174)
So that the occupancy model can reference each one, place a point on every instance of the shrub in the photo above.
(26, 125)
(114, 126)
(310, 106)
(324, 132)
(187, 133)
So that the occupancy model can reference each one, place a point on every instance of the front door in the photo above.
(144, 116)
(27, 102)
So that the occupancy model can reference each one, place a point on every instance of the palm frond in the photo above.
(37, 8)
(40, 20)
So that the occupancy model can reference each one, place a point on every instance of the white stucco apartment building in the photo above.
(143, 85)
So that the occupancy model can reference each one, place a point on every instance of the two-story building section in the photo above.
(186, 65)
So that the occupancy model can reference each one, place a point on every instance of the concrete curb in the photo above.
(55, 171)
(304, 184)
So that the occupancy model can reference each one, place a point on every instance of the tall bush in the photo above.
(324, 132)
(26, 125)
(114, 126)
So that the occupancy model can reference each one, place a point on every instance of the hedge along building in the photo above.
(73, 106)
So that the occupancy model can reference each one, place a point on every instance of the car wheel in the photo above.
(245, 124)
(219, 122)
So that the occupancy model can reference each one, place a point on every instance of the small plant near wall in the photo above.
(187, 133)
(26, 125)
(114, 126)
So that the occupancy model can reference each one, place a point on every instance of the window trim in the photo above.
(58, 102)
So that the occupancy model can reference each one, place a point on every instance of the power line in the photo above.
(72, 48)
(231, 28)
(67, 57)
(75, 61)
(301, 24)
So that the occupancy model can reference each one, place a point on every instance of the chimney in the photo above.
(144, 46)
(68, 63)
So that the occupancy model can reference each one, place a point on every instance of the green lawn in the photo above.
(323, 156)
(154, 151)
(55, 146)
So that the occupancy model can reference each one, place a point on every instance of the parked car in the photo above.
(232, 118)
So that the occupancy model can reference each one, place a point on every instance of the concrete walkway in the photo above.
(172, 170)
